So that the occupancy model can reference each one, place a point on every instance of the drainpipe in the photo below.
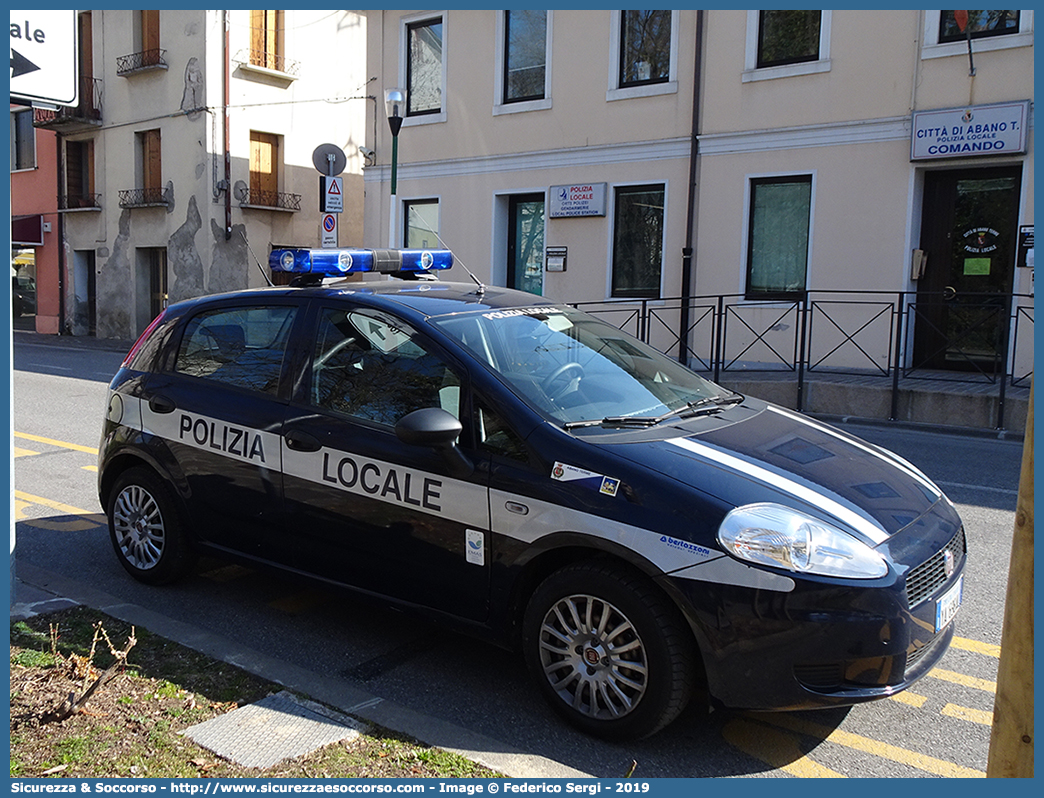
(61, 239)
(688, 266)
(225, 115)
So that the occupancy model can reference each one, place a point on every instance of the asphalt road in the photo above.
(454, 691)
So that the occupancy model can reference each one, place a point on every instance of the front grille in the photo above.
(824, 676)
(923, 580)
(916, 655)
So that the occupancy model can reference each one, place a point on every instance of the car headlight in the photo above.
(774, 535)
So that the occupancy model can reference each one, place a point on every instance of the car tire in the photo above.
(574, 622)
(146, 529)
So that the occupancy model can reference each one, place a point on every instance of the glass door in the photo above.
(525, 260)
(968, 233)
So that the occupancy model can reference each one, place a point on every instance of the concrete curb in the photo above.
(333, 692)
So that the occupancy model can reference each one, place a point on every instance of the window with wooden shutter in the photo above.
(266, 39)
(79, 175)
(150, 37)
(264, 168)
(151, 166)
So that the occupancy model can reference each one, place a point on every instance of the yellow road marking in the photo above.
(964, 681)
(23, 452)
(89, 468)
(775, 749)
(894, 753)
(51, 441)
(977, 646)
(912, 699)
(19, 509)
(84, 518)
(68, 509)
(966, 713)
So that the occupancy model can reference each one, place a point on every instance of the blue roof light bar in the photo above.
(339, 262)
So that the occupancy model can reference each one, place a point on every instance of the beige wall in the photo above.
(849, 127)
(478, 156)
(846, 120)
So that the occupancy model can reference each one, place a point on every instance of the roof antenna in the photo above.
(456, 261)
(258, 262)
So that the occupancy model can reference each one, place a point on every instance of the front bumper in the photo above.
(826, 644)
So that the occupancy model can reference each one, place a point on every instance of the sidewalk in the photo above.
(82, 342)
(36, 591)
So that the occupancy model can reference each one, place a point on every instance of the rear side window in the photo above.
(242, 346)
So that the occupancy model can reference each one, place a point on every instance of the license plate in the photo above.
(947, 605)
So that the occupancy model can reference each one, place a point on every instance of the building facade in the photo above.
(34, 221)
(752, 186)
(190, 153)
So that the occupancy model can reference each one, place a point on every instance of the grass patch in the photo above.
(131, 726)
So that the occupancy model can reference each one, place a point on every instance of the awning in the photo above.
(27, 231)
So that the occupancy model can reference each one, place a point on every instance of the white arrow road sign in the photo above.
(44, 56)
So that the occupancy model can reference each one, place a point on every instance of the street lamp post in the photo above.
(395, 102)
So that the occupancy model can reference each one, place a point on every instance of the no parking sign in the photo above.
(328, 231)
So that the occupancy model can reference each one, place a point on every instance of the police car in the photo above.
(536, 476)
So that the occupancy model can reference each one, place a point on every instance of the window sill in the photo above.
(265, 75)
(278, 209)
(522, 107)
(989, 44)
(787, 71)
(424, 119)
(651, 90)
(94, 209)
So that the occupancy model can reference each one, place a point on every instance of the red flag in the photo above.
(961, 18)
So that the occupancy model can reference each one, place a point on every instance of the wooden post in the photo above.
(1011, 739)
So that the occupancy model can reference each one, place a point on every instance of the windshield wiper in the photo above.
(709, 404)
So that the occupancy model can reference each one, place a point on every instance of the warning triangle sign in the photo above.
(334, 188)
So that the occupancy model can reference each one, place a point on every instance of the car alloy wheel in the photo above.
(593, 657)
(138, 526)
(146, 529)
(608, 650)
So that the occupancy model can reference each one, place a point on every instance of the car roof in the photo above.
(422, 297)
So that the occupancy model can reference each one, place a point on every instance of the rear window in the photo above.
(243, 346)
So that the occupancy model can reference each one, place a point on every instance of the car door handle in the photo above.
(302, 441)
(161, 404)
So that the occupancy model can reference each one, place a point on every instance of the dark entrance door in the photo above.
(968, 232)
(525, 260)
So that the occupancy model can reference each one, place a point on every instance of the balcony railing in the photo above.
(71, 202)
(984, 339)
(87, 112)
(273, 199)
(144, 198)
(140, 62)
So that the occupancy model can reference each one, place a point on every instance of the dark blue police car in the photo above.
(537, 476)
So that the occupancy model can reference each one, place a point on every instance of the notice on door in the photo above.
(976, 267)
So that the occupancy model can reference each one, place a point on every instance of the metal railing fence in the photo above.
(891, 335)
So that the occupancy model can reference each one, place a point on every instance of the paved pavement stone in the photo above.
(278, 727)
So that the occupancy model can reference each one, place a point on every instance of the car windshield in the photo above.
(579, 370)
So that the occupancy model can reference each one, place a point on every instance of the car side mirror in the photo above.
(434, 427)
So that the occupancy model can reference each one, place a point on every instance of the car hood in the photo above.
(796, 461)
